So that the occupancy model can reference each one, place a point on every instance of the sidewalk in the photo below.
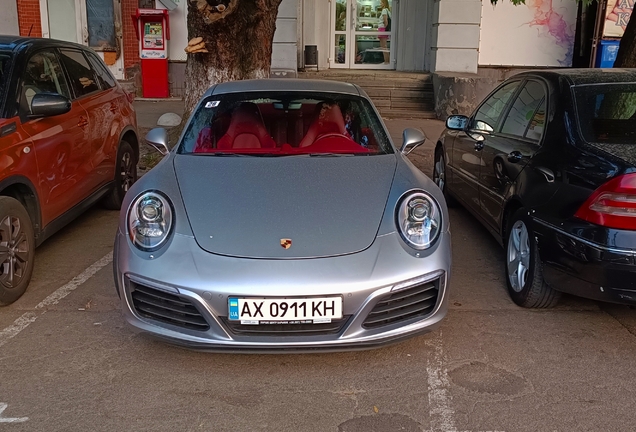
(148, 112)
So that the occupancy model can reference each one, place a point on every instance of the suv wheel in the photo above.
(17, 250)
(125, 176)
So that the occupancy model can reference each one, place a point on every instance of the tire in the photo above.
(439, 176)
(125, 176)
(17, 250)
(523, 266)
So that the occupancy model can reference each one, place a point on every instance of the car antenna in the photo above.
(29, 35)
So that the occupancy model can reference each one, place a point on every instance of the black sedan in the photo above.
(547, 163)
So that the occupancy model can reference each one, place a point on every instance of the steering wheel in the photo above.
(331, 135)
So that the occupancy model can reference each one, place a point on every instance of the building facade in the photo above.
(440, 36)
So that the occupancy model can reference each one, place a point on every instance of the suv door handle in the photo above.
(83, 121)
(113, 108)
(514, 156)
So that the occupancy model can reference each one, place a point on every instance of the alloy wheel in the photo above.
(518, 256)
(126, 171)
(14, 252)
(438, 173)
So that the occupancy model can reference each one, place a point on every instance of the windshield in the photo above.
(5, 59)
(285, 124)
(607, 113)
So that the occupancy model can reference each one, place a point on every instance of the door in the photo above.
(508, 151)
(362, 32)
(94, 23)
(61, 143)
(466, 156)
(87, 88)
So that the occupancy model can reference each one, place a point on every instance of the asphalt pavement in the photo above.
(68, 362)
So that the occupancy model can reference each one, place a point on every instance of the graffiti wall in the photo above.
(617, 16)
(539, 33)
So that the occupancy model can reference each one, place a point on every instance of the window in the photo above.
(285, 124)
(5, 64)
(607, 113)
(83, 78)
(103, 74)
(490, 111)
(43, 74)
(537, 124)
(523, 111)
(100, 16)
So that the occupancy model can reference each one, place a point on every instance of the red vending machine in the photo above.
(153, 32)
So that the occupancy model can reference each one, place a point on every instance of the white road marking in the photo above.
(439, 400)
(3, 406)
(29, 317)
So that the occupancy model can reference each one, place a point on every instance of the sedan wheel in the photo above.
(524, 268)
(518, 256)
(125, 176)
(439, 175)
(17, 246)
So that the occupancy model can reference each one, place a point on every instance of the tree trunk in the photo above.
(238, 37)
(626, 57)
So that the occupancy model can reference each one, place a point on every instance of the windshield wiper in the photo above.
(224, 154)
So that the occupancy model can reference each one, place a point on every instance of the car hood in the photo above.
(318, 206)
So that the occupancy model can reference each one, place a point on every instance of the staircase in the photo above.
(395, 94)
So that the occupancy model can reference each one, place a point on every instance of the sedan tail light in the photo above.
(613, 205)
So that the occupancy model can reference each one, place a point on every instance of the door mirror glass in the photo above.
(457, 122)
(158, 138)
(49, 105)
(412, 139)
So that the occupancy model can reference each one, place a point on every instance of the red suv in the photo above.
(68, 139)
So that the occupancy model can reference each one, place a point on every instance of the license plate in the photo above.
(285, 311)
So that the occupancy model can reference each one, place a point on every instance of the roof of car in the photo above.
(586, 76)
(10, 43)
(284, 84)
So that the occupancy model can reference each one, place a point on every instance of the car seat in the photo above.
(328, 120)
(246, 130)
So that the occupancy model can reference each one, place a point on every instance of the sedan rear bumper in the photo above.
(584, 268)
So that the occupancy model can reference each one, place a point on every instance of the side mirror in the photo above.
(412, 139)
(49, 105)
(158, 138)
(457, 122)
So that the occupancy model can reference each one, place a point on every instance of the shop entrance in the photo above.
(362, 34)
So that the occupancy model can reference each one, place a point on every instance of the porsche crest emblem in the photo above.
(285, 243)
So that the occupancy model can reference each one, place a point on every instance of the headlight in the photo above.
(149, 220)
(419, 219)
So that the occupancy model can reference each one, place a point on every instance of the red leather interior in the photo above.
(246, 130)
(329, 120)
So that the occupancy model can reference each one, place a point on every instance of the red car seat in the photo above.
(246, 130)
(329, 120)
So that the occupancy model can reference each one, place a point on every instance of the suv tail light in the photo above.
(613, 205)
(130, 96)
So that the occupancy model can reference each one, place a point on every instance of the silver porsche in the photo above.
(284, 219)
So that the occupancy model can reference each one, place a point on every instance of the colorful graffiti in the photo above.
(553, 25)
(539, 33)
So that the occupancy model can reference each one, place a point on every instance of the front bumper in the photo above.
(584, 267)
(185, 273)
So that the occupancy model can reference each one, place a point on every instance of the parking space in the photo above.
(69, 362)
(492, 366)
